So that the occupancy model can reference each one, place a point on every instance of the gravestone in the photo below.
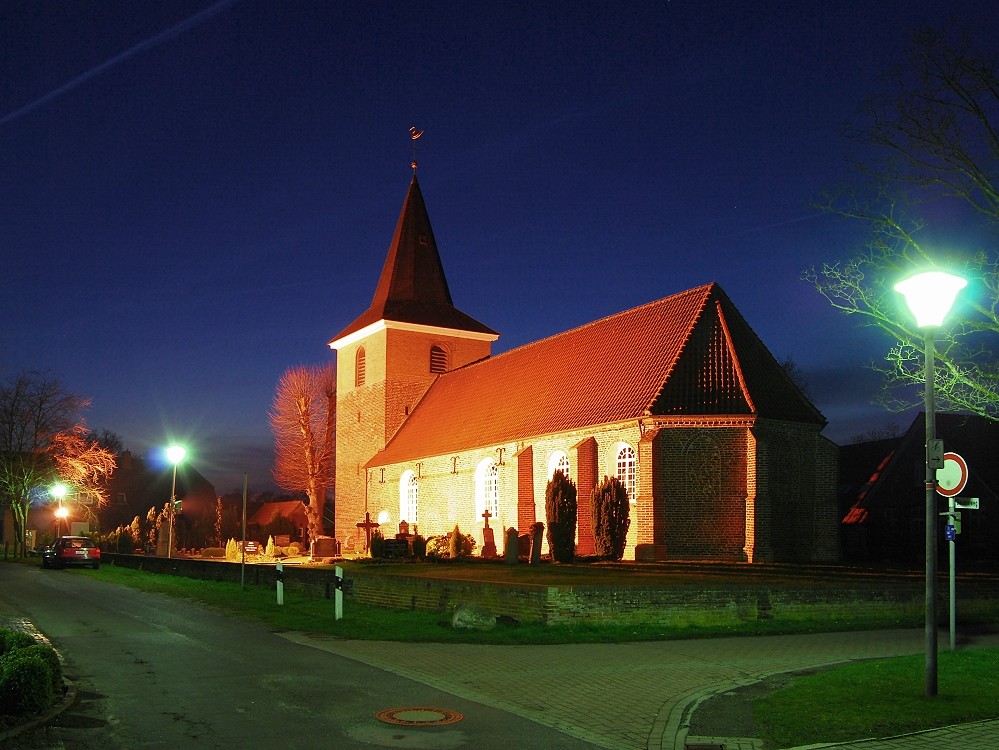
(537, 532)
(488, 542)
(325, 546)
(511, 547)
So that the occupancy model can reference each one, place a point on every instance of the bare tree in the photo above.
(303, 420)
(934, 137)
(43, 440)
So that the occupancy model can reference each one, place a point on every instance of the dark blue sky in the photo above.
(195, 196)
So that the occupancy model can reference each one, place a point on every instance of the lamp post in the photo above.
(930, 296)
(58, 491)
(175, 454)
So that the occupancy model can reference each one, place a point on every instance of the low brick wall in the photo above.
(675, 606)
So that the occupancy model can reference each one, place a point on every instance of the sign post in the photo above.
(951, 479)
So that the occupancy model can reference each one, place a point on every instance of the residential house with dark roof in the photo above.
(720, 452)
(884, 496)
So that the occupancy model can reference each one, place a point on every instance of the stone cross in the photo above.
(487, 515)
(367, 524)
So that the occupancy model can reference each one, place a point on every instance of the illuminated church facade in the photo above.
(720, 452)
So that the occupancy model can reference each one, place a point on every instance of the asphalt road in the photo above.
(157, 672)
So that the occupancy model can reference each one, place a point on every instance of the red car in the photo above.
(72, 550)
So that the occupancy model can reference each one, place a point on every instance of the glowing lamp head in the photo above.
(62, 511)
(58, 490)
(930, 296)
(175, 454)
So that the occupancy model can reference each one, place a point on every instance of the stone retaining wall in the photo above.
(675, 606)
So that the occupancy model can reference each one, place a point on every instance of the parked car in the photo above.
(72, 550)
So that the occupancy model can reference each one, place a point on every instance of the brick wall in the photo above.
(672, 605)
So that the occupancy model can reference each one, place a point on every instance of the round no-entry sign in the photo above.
(952, 478)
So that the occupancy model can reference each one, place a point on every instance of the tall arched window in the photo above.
(559, 462)
(360, 368)
(438, 359)
(487, 488)
(626, 472)
(409, 498)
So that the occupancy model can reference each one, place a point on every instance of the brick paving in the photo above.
(641, 695)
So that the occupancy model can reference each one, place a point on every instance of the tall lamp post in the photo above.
(175, 454)
(930, 296)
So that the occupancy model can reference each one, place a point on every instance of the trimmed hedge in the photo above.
(30, 674)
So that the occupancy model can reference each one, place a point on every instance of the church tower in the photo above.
(390, 355)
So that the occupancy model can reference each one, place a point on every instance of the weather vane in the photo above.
(414, 134)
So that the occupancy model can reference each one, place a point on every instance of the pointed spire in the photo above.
(412, 287)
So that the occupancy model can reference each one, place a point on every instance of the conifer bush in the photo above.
(231, 550)
(610, 513)
(377, 544)
(454, 548)
(560, 513)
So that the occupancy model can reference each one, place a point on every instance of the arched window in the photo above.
(559, 462)
(626, 470)
(486, 488)
(360, 368)
(438, 359)
(409, 498)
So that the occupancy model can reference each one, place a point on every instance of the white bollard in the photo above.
(279, 568)
(338, 593)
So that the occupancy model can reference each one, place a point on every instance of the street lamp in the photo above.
(175, 454)
(930, 296)
(58, 491)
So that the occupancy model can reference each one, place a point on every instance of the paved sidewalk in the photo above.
(632, 696)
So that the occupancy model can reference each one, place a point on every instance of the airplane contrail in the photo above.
(142, 46)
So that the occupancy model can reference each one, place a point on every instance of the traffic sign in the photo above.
(967, 503)
(953, 477)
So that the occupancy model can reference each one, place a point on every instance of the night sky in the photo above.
(196, 196)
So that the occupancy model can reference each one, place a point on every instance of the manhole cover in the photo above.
(419, 716)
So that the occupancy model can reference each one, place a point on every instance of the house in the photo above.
(285, 517)
(884, 522)
(720, 452)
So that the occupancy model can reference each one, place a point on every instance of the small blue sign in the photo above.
(950, 533)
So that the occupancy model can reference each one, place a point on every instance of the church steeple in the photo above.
(412, 287)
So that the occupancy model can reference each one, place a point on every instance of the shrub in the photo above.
(214, 552)
(419, 547)
(560, 513)
(439, 547)
(14, 639)
(231, 550)
(269, 549)
(377, 544)
(610, 512)
(25, 683)
(50, 657)
(454, 545)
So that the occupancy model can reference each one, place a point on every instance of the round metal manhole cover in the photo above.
(419, 716)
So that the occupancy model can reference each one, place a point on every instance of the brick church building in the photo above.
(720, 452)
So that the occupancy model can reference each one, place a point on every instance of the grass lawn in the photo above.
(865, 699)
(881, 698)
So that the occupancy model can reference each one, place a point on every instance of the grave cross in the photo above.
(367, 524)
(487, 515)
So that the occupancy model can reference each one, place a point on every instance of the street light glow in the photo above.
(930, 296)
(58, 490)
(175, 454)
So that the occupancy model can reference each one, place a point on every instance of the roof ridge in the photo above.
(706, 289)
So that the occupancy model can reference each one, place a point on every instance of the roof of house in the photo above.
(688, 354)
(899, 465)
(412, 287)
(267, 512)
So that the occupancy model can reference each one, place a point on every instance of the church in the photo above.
(720, 452)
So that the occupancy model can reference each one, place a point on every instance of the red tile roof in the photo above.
(690, 354)
(267, 512)
(412, 287)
